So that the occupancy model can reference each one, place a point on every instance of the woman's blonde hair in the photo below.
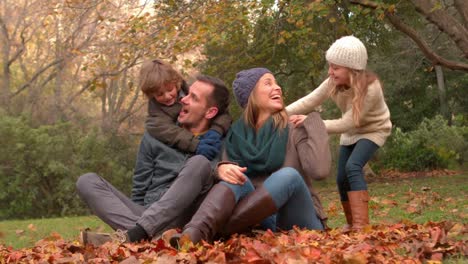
(359, 82)
(156, 73)
(251, 112)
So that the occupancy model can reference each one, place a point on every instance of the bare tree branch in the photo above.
(411, 33)
(18, 52)
(132, 110)
(428, 52)
(462, 8)
(98, 76)
(35, 76)
(445, 22)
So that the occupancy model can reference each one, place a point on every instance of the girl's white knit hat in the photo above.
(348, 51)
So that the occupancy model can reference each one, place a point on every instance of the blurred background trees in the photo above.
(69, 98)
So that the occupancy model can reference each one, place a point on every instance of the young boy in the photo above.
(164, 87)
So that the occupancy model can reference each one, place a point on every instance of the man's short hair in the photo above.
(220, 96)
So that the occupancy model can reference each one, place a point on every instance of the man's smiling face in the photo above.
(195, 105)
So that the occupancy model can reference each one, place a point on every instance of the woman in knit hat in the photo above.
(267, 169)
(364, 125)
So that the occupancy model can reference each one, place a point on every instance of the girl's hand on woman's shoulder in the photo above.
(232, 173)
(297, 120)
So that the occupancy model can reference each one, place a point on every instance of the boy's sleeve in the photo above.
(162, 126)
(222, 123)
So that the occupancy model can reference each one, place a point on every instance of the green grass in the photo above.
(417, 200)
(24, 233)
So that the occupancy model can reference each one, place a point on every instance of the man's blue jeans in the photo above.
(290, 195)
(351, 160)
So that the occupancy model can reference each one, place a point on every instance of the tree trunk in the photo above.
(58, 68)
(5, 77)
(442, 93)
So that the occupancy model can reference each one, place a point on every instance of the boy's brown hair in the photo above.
(156, 73)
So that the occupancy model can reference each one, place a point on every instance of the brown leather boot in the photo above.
(250, 210)
(349, 218)
(87, 237)
(210, 217)
(358, 202)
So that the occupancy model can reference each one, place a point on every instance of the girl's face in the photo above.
(166, 95)
(268, 95)
(339, 74)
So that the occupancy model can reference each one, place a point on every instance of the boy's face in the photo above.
(166, 95)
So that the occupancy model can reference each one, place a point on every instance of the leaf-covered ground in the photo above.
(397, 243)
(416, 219)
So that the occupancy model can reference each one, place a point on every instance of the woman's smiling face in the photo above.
(268, 94)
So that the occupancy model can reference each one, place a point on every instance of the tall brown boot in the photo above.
(251, 210)
(349, 218)
(210, 217)
(358, 201)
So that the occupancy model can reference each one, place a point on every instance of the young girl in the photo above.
(164, 87)
(364, 125)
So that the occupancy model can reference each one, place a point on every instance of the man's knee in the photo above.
(199, 163)
(85, 181)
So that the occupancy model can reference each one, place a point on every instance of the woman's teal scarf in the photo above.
(262, 152)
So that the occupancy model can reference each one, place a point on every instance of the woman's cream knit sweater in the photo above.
(375, 123)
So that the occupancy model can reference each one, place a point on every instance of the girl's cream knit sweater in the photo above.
(375, 123)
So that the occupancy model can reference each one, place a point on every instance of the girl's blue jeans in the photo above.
(290, 195)
(351, 160)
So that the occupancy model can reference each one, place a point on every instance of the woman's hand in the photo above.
(297, 120)
(232, 173)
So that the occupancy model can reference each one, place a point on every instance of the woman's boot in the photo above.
(358, 202)
(250, 210)
(349, 218)
(210, 217)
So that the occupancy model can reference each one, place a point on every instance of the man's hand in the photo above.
(232, 173)
(210, 144)
(297, 120)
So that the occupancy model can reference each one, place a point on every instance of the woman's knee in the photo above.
(240, 191)
(285, 182)
(287, 175)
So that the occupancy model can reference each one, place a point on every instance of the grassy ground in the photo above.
(24, 233)
(417, 200)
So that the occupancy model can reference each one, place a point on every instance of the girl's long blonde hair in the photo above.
(251, 112)
(359, 83)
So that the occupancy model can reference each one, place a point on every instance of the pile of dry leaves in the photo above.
(398, 243)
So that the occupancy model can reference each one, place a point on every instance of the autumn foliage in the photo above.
(397, 243)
